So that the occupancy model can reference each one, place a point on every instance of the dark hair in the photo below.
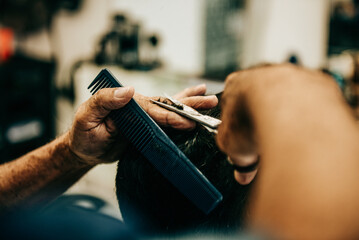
(149, 203)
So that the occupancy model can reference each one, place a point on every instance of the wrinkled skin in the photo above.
(93, 137)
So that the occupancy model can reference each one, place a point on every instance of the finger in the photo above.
(192, 91)
(163, 116)
(200, 102)
(167, 118)
(106, 100)
(245, 178)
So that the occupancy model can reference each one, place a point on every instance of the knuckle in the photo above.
(167, 118)
(161, 99)
(174, 120)
(159, 116)
(101, 101)
(96, 98)
(82, 107)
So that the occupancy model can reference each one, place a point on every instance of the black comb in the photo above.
(149, 139)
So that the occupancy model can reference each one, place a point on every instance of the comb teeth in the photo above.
(134, 129)
(102, 83)
(156, 147)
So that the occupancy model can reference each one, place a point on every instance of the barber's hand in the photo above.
(94, 138)
(192, 97)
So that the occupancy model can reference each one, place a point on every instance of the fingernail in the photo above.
(213, 97)
(122, 92)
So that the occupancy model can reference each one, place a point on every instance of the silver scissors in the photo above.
(208, 122)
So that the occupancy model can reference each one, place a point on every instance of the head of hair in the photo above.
(152, 205)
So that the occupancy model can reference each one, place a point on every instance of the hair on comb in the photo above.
(149, 139)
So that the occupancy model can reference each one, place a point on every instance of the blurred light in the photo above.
(6, 44)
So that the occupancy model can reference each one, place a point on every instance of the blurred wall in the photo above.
(177, 22)
(277, 28)
(75, 35)
(274, 29)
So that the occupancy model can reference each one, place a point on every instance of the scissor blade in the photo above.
(193, 115)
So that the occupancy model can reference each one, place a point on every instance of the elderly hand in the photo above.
(94, 138)
(44, 173)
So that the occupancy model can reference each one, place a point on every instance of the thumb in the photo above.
(108, 99)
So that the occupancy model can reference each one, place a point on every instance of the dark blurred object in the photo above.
(294, 59)
(125, 46)
(27, 16)
(76, 217)
(339, 79)
(344, 68)
(344, 27)
(28, 94)
(26, 104)
(353, 85)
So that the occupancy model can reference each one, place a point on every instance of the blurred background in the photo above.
(51, 50)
